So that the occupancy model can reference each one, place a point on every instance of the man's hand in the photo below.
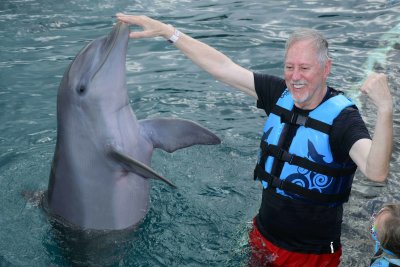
(151, 27)
(377, 88)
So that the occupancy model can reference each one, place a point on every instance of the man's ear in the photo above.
(327, 68)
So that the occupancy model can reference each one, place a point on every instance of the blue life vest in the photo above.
(385, 262)
(309, 170)
(381, 259)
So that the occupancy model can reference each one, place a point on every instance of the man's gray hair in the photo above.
(319, 41)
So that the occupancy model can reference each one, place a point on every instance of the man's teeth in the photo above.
(298, 86)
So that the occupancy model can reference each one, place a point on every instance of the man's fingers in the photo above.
(142, 34)
(129, 19)
(151, 27)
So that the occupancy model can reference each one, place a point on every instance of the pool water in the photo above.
(206, 220)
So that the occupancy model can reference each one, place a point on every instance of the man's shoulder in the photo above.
(334, 92)
(268, 88)
(347, 110)
(268, 77)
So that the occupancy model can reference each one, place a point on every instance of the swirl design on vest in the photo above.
(310, 179)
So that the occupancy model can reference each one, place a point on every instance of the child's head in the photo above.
(386, 228)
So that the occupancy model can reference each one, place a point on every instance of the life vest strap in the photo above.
(283, 155)
(289, 116)
(379, 256)
(275, 182)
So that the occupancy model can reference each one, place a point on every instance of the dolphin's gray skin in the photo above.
(99, 176)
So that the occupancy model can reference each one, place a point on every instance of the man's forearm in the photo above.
(378, 161)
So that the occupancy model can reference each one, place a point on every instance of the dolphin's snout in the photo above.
(120, 30)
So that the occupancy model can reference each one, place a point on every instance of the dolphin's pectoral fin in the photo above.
(172, 134)
(137, 167)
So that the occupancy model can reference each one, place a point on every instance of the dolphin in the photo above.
(313, 153)
(99, 177)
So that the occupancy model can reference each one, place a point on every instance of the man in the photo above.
(314, 139)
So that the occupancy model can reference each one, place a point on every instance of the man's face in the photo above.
(304, 75)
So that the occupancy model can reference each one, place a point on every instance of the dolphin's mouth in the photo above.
(110, 42)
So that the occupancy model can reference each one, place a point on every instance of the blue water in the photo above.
(205, 221)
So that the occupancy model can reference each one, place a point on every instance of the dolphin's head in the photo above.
(96, 79)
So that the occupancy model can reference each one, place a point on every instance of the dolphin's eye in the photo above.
(81, 90)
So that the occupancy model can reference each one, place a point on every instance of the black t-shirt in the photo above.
(295, 225)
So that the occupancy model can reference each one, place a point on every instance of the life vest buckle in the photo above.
(298, 119)
(282, 154)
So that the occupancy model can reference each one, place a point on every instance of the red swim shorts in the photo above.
(264, 253)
